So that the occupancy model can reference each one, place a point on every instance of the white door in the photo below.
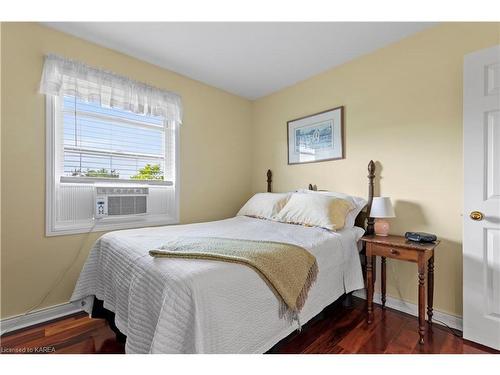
(481, 243)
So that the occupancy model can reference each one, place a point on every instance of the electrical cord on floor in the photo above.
(58, 280)
(396, 284)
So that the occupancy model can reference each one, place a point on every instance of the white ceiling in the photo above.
(247, 59)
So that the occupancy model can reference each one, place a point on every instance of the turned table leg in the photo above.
(430, 288)
(369, 286)
(421, 299)
(382, 280)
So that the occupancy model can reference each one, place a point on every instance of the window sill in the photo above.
(110, 224)
(93, 180)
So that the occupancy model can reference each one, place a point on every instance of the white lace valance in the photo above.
(67, 77)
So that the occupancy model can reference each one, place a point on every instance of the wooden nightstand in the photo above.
(397, 247)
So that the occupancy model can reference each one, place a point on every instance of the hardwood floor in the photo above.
(75, 334)
(338, 331)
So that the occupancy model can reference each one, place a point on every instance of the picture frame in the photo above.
(317, 137)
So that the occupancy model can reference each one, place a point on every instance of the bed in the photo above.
(207, 306)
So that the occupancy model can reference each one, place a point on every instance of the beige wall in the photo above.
(214, 177)
(403, 109)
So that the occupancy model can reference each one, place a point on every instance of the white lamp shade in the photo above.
(382, 207)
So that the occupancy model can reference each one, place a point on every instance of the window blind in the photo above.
(111, 143)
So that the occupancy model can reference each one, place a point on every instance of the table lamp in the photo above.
(381, 209)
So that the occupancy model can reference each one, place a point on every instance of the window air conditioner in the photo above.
(120, 201)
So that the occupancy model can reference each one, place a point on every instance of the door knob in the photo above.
(476, 215)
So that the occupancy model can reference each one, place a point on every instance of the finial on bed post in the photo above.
(371, 176)
(269, 180)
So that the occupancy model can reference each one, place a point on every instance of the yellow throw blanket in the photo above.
(290, 270)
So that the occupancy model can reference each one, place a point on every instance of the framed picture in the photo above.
(318, 137)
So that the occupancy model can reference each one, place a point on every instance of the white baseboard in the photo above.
(412, 309)
(40, 316)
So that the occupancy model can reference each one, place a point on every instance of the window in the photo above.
(112, 150)
(111, 143)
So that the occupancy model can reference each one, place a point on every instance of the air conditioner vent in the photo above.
(127, 205)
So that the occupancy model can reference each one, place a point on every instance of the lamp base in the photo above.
(381, 227)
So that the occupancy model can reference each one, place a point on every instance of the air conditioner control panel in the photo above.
(101, 208)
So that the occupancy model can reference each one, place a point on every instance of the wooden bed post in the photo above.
(269, 181)
(370, 221)
(371, 176)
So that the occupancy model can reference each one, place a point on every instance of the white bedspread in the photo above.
(204, 306)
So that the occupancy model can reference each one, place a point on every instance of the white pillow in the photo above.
(358, 202)
(316, 210)
(264, 205)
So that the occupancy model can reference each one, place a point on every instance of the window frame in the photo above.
(52, 228)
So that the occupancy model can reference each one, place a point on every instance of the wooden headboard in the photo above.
(363, 219)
